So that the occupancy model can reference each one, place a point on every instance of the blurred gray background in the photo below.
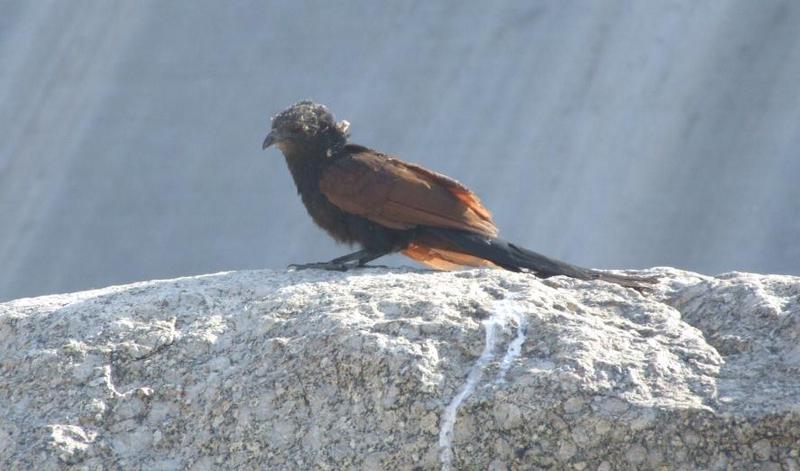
(609, 134)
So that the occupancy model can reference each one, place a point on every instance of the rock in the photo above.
(379, 369)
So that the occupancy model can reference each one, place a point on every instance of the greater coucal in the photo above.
(385, 205)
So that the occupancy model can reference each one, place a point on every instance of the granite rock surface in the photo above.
(397, 369)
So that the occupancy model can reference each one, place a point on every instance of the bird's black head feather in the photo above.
(306, 122)
(304, 118)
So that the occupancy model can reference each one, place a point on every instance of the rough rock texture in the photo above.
(381, 369)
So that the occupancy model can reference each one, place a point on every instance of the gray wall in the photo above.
(609, 134)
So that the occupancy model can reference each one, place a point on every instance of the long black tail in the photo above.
(515, 258)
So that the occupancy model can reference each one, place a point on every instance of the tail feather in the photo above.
(515, 258)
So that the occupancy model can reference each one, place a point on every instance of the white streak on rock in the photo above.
(503, 311)
(448, 420)
(508, 310)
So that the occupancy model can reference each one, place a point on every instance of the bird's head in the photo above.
(306, 124)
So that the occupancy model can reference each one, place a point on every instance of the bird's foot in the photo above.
(372, 266)
(331, 266)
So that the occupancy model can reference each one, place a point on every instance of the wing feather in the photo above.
(400, 195)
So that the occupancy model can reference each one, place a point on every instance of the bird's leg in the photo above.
(351, 257)
(370, 256)
(353, 260)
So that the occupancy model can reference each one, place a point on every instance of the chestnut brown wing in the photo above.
(400, 195)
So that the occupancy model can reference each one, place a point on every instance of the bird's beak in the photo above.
(271, 138)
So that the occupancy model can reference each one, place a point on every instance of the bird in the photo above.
(386, 205)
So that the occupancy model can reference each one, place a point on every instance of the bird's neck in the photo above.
(306, 164)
